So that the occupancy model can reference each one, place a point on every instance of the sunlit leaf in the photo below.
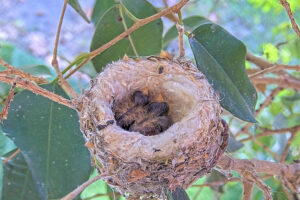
(221, 57)
(49, 137)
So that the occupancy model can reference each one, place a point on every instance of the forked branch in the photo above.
(139, 23)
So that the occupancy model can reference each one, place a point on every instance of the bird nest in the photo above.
(152, 124)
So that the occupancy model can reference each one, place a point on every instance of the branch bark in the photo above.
(36, 89)
(139, 23)
(287, 7)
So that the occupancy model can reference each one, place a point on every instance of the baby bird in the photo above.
(156, 120)
(126, 112)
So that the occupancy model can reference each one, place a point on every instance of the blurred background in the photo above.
(27, 34)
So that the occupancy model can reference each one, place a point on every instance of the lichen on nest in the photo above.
(140, 160)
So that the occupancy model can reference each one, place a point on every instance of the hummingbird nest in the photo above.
(152, 124)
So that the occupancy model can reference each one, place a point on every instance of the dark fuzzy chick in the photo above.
(155, 121)
(126, 112)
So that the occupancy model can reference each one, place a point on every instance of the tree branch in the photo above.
(80, 188)
(287, 7)
(290, 172)
(10, 70)
(139, 23)
(266, 132)
(64, 84)
(8, 100)
(36, 89)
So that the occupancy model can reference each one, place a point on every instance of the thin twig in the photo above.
(14, 71)
(267, 149)
(266, 132)
(8, 100)
(268, 100)
(285, 189)
(80, 188)
(284, 82)
(139, 23)
(217, 183)
(36, 89)
(287, 7)
(287, 146)
(247, 190)
(275, 67)
(11, 156)
(180, 36)
(263, 64)
(102, 195)
(64, 84)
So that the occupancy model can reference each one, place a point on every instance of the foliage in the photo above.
(53, 160)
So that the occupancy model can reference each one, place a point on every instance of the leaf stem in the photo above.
(139, 23)
(128, 13)
(126, 28)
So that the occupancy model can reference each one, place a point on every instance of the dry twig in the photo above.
(139, 23)
(10, 70)
(287, 7)
(36, 89)
(287, 146)
(267, 132)
(247, 191)
(64, 84)
(80, 188)
(11, 156)
(8, 100)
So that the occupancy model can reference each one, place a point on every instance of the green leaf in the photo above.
(49, 137)
(1, 179)
(18, 183)
(23, 60)
(75, 4)
(100, 7)
(221, 57)
(178, 194)
(233, 144)
(37, 70)
(190, 23)
(147, 40)
(216, 176)
(6, 145)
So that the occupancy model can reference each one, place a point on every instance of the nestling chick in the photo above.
(156, 120)
(126, 112)
(138, 114)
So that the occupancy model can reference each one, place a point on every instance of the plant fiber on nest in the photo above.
(143, 166)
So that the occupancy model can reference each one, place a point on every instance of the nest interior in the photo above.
(141, 165)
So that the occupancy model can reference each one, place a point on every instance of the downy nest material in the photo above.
(141, 152)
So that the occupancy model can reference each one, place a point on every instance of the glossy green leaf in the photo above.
(100, 7)
(216, 176)
(178, 194)
(23, 60)
(75, 4)
(18, 183)
(49, 137)
(221, 57)
(190, 23)
(233, 144)
(37, 70)
(1, 179)
(147, 40)
(6, 145)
